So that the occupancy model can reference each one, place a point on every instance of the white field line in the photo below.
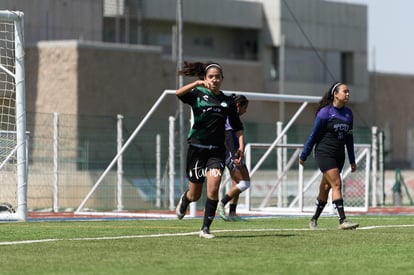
(182, 234)
(385, 226)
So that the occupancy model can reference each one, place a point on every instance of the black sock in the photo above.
(185, 202)
(232, 210)
(320, 205)
(226, 199)
(339, 205)
(209, 213)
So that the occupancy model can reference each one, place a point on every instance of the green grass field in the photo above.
(284, 245)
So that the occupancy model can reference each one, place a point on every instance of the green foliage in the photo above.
(280, 245)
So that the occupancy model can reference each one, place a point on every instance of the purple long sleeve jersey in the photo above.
(332, 131)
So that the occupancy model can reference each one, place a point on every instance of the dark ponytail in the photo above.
(241, 100)
(328, 97)
(198, 69)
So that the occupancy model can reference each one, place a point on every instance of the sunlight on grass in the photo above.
(281, 245)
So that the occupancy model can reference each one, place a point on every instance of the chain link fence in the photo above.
(68, 153)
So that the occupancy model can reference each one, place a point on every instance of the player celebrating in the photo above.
(206, 151)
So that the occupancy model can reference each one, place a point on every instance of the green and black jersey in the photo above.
(210, 112)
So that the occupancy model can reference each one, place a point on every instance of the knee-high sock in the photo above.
(209, 213)
(232, 209)
(225, 199)
(319, 206)
(339, 205)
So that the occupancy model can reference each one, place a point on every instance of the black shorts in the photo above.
(326, 162)
(201, 160)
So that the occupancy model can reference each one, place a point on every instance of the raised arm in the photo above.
(187, 88)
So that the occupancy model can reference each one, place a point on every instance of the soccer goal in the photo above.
(13, 141)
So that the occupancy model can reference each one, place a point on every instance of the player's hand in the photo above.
(302, 162)
(201, 82)
(353, 167)
(238, 157)
(204, 83)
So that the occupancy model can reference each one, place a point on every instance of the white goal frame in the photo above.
(20, 149)
(277, 143)
(305, 100)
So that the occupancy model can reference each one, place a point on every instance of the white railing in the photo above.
(277, 144)
(265, 183)
(250, 95)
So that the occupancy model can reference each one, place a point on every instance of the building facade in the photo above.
(321, 41)
(82, 54)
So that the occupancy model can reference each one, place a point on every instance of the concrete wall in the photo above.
(92, 78)
(331, 29)
(84, 77)
(59, 19)
(51, 78)
(390, 108)
(240, 14)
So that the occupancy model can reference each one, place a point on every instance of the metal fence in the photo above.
(68, 153)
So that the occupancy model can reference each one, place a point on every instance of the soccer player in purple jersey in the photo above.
(332, 131)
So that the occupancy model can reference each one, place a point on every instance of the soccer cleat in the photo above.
(313, 224)
(347, 224)
(179, 209)
(235, 218)
(220, 211)
(205, 233)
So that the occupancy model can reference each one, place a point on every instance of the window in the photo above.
(347, 66)
(274, 65)
(164, 40)
(205, 42)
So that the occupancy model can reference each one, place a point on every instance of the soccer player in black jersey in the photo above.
(332, 131)
(238, 172)
(206, 150)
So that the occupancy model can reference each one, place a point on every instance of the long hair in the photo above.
(198, 69)
(328, 97)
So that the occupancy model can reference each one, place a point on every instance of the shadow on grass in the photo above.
(255, 236)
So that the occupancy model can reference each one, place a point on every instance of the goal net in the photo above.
(13, 145)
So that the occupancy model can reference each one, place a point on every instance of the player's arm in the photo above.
(187, 88)
(240, 138)
(349, 143)
(317, 130)
(240, 151)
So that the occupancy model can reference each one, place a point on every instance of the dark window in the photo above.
(347, 65)
(205, 42)
(274, 66)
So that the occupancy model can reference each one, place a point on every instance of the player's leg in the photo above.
(325, 164)
(334, 178)
(193, 193)
(214, 166)
(213, 185)
(196, 159)
(242, 179)
(320, 202)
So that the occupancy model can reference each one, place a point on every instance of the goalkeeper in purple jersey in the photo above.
(332, 131)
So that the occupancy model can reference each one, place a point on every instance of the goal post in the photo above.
(281, 188)
(253, 96)
(13, 140)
